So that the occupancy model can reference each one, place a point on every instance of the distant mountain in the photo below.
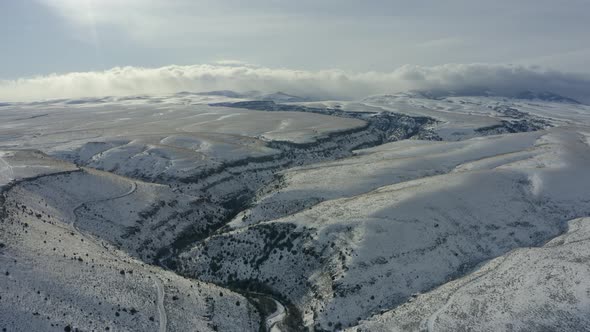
(278, 97)
(485, 92)
(283, 97)
(441, 93)
(545, 96)
(225, 93)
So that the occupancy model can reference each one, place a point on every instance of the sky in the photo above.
(44, 41)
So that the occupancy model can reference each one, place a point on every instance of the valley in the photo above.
(217, 213)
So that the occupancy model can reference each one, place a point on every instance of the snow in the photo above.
(6, 170)
(380, 202)
(55, 275)
(541, 288)
(485, 228)
(272, 322)
(460, 115)
(182, 143)
(21, 164)
(387, 164)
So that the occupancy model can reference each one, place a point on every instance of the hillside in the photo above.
(222, 211)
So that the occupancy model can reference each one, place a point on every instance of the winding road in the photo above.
(160, 293)
(89, 237)
(79, 206)
(272, 321)
(160, 303)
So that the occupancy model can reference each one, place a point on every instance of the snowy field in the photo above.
(176, 136)
(402, 212)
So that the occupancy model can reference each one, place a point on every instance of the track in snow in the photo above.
(79, 206)
(272, 321)
(89, 237)
(6, 171)
(163, 319)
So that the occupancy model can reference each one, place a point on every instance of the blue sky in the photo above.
(41, 37)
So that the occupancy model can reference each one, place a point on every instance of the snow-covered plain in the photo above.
(345, 217)
(171, 137)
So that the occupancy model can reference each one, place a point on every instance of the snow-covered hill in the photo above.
(56, 276)
(230, 212)
(377, 238)
(529, 289)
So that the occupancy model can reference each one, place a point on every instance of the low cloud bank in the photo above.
(323, 84)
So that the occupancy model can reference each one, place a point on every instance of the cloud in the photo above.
(233, 63)
(321, 84)
(310, 34)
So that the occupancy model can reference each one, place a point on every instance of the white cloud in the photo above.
(503, 79)
(233, 63)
